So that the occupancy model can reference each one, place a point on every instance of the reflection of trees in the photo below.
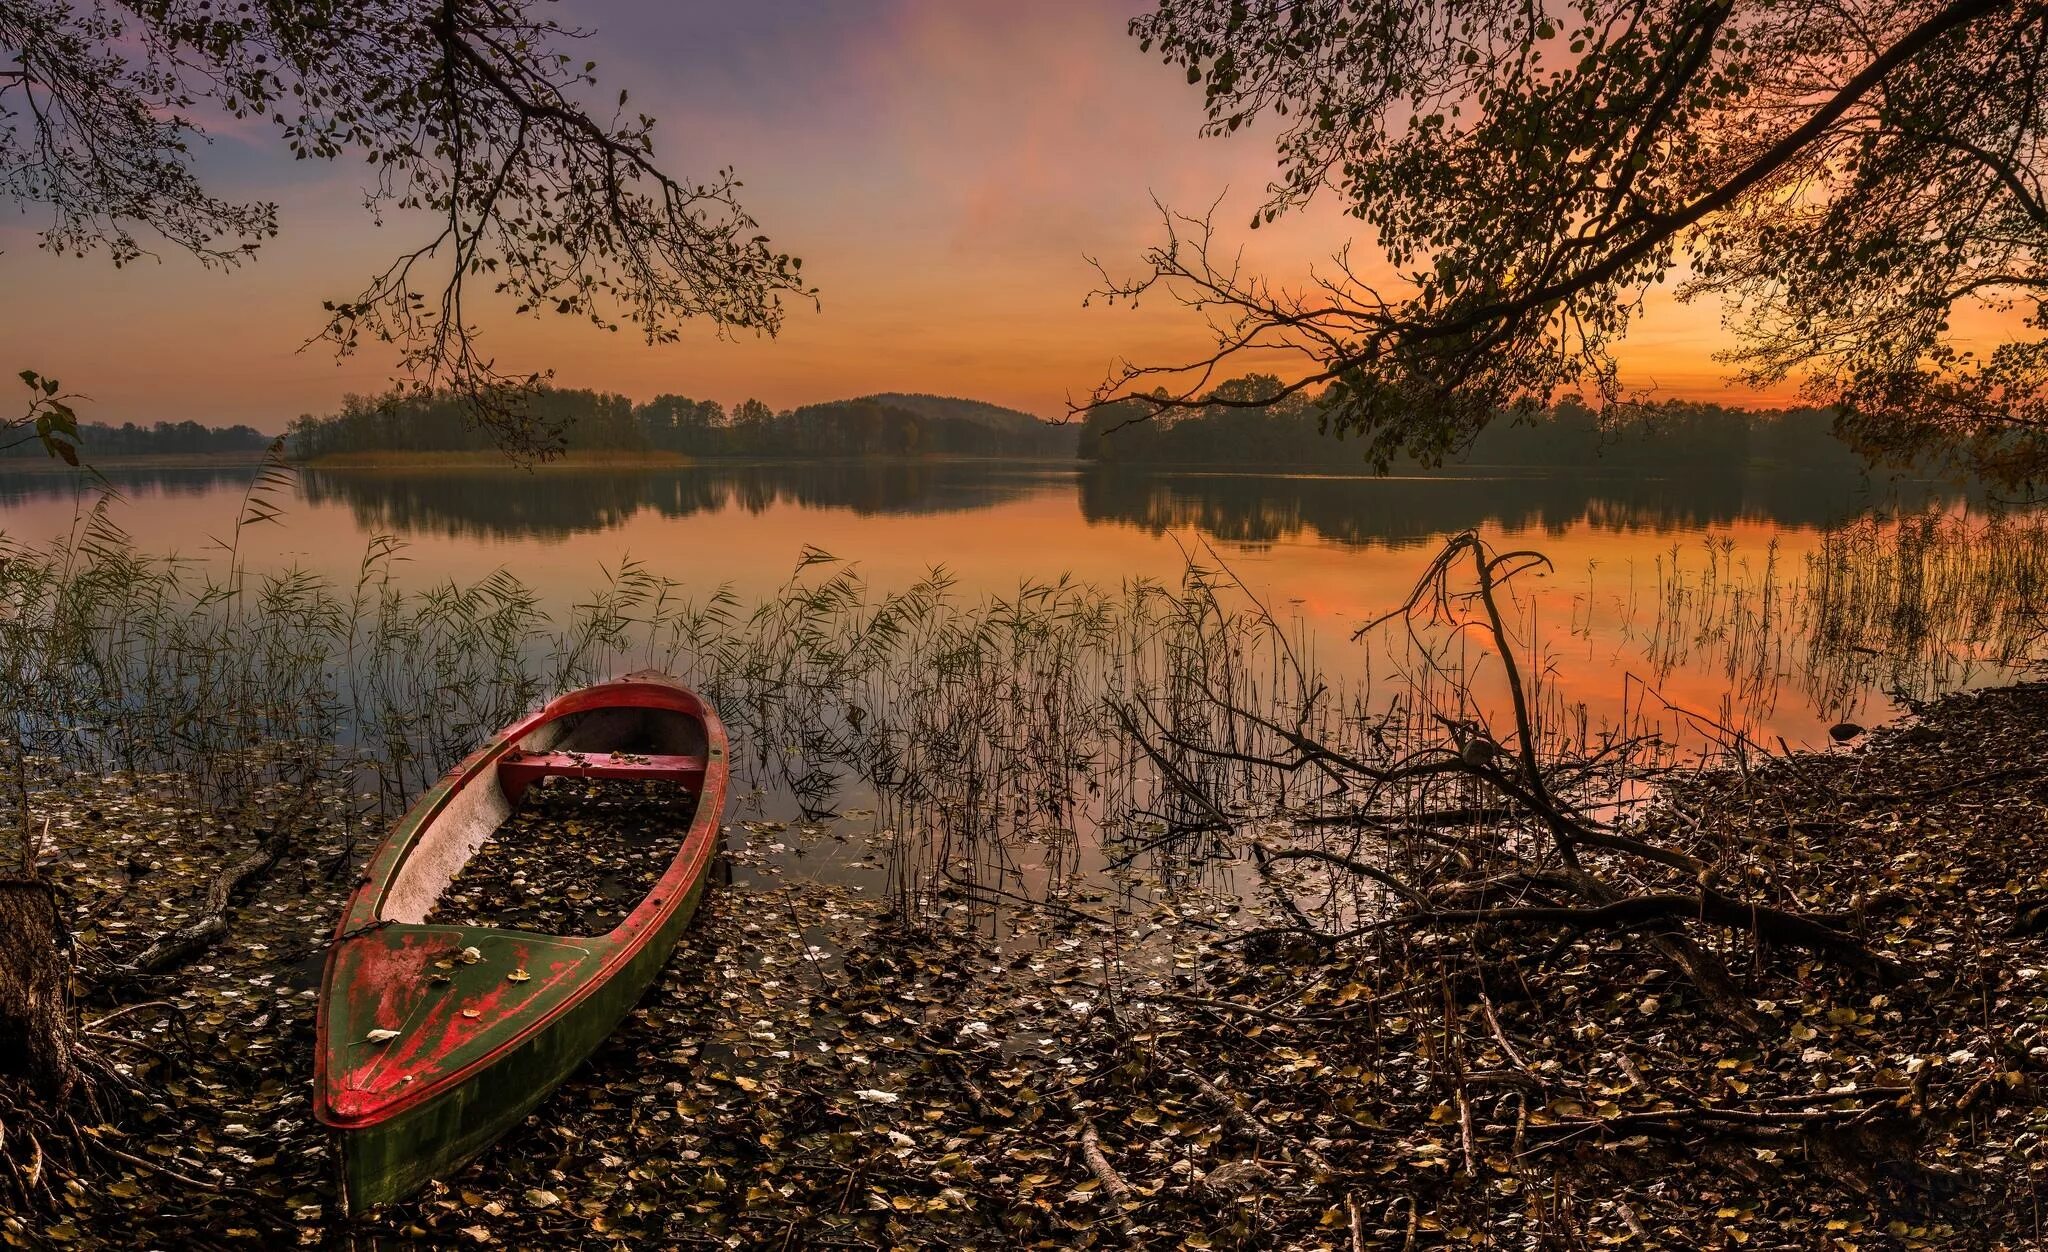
(1247, 508)
(180, 480)
(553, 503)
(1397, 512)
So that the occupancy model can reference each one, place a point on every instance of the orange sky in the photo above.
(943, 168)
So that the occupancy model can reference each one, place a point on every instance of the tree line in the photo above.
(585, 420)
(1295, 431)
(98, 439)
(1668, 438)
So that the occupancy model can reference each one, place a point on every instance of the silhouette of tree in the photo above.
(1845, 172)
(466, 111)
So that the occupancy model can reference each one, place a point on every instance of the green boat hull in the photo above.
(434, 1041)
(393, 1159)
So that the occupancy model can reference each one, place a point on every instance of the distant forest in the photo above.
(1671, 437)
(892, 424)
(1663, 440)
(163, 439)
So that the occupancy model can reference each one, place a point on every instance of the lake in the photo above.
(1696, 591)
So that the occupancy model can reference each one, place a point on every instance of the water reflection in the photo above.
(551, 503)
(1403, 512)
(22, 487)
(1708, 588)
(1252, 509)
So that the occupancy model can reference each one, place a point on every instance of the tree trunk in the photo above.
(36, 1039)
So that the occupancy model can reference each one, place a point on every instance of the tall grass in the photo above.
(1048, 717)
(978, 721)
(1907, 606)
(1928, 602)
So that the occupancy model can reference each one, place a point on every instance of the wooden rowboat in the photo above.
(435, 1040)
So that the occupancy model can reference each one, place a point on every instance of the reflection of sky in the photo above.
(1590, 614)
(945, 169)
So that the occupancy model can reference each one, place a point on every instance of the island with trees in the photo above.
(383, 429)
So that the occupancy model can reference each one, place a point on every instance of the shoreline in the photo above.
(488, 460)
(1926, 836)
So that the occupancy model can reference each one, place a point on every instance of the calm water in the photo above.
(1328, 551)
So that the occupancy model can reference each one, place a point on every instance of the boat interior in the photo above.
(625, 743)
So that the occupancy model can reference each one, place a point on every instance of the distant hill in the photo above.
(895, 423)
(980, 412)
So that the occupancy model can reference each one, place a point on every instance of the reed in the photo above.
(1907, 606)
(1055, 717)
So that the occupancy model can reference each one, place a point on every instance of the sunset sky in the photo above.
(944, 169)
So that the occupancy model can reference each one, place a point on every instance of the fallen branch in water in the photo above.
(1637, 912)
(1597, 876)
(170, 950)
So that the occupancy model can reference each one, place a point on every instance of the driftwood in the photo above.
(1587, 875)
(1772, 925)
(1945, 789)
(210, 925)
(1266, 856)
(1265, 1135)
(1113, 1184)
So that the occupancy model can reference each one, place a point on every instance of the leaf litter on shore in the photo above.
(1240, 1098)
(573, 858)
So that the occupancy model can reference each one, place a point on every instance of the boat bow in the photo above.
(454, 999)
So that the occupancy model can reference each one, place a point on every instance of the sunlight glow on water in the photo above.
(1650, 582)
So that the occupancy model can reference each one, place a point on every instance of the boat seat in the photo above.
(519, 770)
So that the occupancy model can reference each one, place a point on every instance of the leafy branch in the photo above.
(49, 420)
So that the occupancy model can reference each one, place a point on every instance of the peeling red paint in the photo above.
(388, 983)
